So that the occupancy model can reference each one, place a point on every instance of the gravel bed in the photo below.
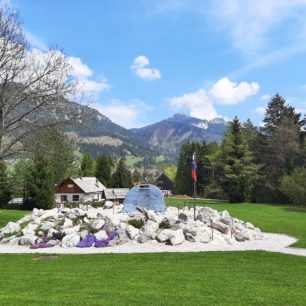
(271, 243)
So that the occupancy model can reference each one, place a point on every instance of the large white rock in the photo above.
(47, 225)
(71, 230)
(67, 223)
(38, 212)
(177, 237)
(10, 228)
(27, 239)
(108, 204)
(70, 240)
(97, 224)
(132, 231)
(151, 227)
(50, 213)
(8, 239)
(92, 213)
(101, 235)
(203, 237)
(220, 226)
(164, 235)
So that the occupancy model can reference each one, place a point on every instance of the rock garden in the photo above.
(89, 227)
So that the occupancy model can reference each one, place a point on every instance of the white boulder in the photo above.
(70, 240)
(101, 235)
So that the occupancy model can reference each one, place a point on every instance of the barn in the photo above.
(115, 194)
(164, 183)
(80, 189)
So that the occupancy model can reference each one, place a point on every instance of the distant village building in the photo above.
(79, 190)
(164, 184)
(115, 194)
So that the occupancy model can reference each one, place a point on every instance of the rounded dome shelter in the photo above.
(144, 196)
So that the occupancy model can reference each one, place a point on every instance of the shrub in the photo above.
(293, 186)
(138, 223)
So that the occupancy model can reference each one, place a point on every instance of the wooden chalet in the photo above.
(80, 189)
(164, 184)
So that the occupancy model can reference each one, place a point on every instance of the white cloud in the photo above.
(129, 115)
(36, 41)
(249, 23)
(224, 91)
(79, 69)
(227, 92)
(140, 67)
(198, 102)
(83, 74)
(260, 110)
(265, 97)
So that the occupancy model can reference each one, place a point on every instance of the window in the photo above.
(63, 198)
(75, 198)
(70, 185)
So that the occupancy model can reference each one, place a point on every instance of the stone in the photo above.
(151, 227)
(70, 240)
(221, 227)
(189, 237)
(191, 229)
(250, 225)
(67, 223)
(144, 237)
(10, 228)
(183, 217)
(72, 215)
(132, 232)
(205, 214)
(14, 241)
(47, 225)
(70, 230)
(122, 236)
(97, 224)
(92, 213)
(225, 214)
(54, 242)
(242, 236)
(83, 234)
(167, 222)
(27, 240)
(49, 213)
(203, 237)
(101, 235)
(164, 235)
(38, 212)
(109, 227)
(177, 237)
(8, 239)
(108, 204)
(51, 232)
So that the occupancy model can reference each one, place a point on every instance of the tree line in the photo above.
(266, 164)
(49, 160)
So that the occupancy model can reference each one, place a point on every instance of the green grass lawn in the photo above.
(283, 219)
(11, 215)
(216, 278)
(212, 278)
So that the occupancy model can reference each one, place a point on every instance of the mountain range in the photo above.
(168, 135)
(96, 134)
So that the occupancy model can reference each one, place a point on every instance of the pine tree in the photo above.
(40, 187)
(282, 135)
(237, 162)
(122, 177)
(5, 190)
(87, 165)
(104, 168)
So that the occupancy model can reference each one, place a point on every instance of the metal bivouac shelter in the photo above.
(145, 196)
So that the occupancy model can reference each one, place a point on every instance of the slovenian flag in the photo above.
(194, 169)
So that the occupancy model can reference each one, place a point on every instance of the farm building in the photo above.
(144, 196)
(79, 190)
(164, 184)
(115, 194)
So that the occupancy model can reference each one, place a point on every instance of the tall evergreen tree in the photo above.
(122, 177)
(40, 187)
(55, 148)
(104, 168)
(237, 162)
(5, 189)
(87, 165)
(282, 134)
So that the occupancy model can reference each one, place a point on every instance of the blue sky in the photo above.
(141, 61)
